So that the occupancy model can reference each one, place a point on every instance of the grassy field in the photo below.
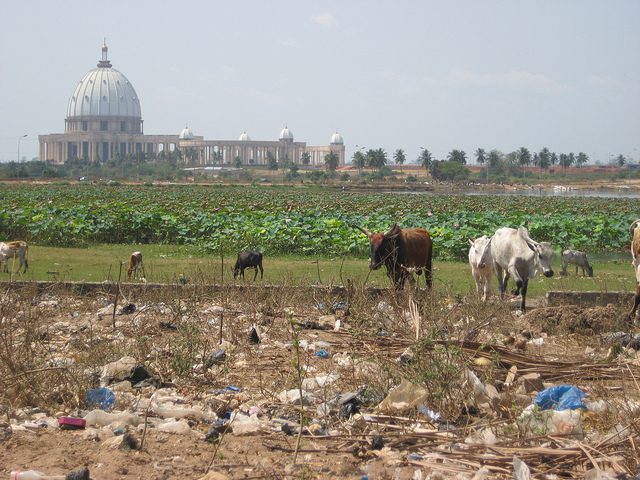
(169, 263)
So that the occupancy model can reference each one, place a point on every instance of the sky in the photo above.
(411, 75)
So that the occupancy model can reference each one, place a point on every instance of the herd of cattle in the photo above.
(509, 253)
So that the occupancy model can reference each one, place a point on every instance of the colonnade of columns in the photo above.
(61, 147)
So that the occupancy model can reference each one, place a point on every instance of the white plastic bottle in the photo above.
(33, 475)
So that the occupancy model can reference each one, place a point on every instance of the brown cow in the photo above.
(17, 249)
(402, 251)
(135, 262)
(635, 254)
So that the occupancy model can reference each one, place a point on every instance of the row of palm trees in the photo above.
(544, 159)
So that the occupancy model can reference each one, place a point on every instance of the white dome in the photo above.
(104, 91)
(336, 139)
(286, 135)
(186, 134)
(244, 137)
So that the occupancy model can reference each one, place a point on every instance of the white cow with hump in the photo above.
(481, 262)
(521, 258)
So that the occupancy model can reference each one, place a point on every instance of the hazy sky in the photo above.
(441, 75)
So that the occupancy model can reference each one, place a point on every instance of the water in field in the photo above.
(539, 192)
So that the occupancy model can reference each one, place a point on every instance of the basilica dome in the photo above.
(104, 91)
(336, 139)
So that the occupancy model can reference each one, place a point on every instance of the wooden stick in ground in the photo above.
(115, 300)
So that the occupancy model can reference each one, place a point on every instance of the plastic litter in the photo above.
(99, 417)
(82, 474)
(253, 338)
(181, 427)
(33, 475)
(101, 397)
(319, 382)
(212, 435)
(137, 374)
(321, 353)
(347, 410)
(377, 443)
(435, 416)
(245, 425)
(110, 370)
(555, 422)
(71, 423)
(402, 398)
(215, 358)
(520, 470)
(560, 397)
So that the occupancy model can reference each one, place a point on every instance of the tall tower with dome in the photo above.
(104, 120)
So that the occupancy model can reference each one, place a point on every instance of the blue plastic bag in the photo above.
(101, 397)
(321, 353)
(560, 397)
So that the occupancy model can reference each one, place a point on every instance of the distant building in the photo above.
(104, 119)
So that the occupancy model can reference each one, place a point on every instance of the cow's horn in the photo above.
(634, 225)
(363, 230)
(388, 232)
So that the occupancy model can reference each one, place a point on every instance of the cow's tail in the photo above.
(26, 257)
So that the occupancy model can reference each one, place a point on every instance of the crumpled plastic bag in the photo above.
(560, 397)
(402, 398)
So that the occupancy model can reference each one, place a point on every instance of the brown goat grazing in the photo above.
(135, 262)
(17, 249)
(635, 254)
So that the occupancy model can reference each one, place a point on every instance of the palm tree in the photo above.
(493, 160)
(582, 158)
(399, 157)
(425, 160)
(305, 158)
(621, 161)
(359, 160)
(524, 159)
(376, 159)
(565, 162)
(331, 161)
(480, 156)
(544, 160)
(458, 156)
(237, 162)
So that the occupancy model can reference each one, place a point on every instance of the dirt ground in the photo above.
(259, 368)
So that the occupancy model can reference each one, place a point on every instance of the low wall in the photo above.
(589, 299)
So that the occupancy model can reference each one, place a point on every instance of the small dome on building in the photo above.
(286, 135)
(336, 139)
(186, 134)
(244, 137)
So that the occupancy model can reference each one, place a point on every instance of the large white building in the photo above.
(104, 118)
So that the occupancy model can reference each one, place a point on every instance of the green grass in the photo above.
(168, 263)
